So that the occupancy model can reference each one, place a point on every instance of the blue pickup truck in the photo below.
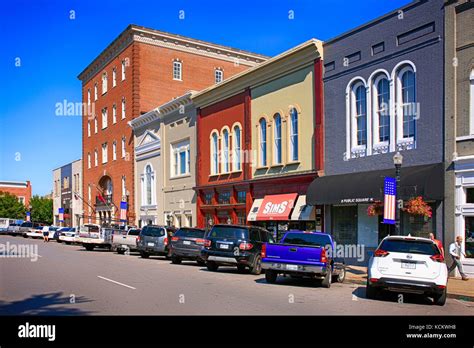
(303, 254)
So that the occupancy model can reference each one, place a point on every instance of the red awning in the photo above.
(276, 207)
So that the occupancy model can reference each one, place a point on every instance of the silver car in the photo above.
(155, 240)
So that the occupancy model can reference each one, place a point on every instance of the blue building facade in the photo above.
(383, 94)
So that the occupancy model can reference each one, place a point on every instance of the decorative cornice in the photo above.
(166, 40)
(285, 63)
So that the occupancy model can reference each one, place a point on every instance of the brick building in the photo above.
(140, 69)
(21, 189)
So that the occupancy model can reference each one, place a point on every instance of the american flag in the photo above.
(123, 211)
(390, 193)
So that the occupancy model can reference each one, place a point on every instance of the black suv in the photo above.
(235, 245)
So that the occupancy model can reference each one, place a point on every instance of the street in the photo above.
(68, 280)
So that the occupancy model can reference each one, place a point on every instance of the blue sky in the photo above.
(53, 49)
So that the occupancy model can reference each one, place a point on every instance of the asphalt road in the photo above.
(68, 280)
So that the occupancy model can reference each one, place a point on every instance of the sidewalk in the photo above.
(457, 288)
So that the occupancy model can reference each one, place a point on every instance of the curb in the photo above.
(450, 295)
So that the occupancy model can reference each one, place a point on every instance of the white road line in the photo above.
(113, 281)
(465, 303)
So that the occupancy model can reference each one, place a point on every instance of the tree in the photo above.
(41, 209)
(11, 207)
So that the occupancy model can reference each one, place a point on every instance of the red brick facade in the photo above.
(148, 83)
(19, 189)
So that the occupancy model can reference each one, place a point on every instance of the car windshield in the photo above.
(190, 233)
(153, 231)
(310, 239)
(134, 232)
(409, 246)
(230, 232)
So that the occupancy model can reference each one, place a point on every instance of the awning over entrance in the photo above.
(276, 207)
(426, 181)
(254, 210)
(302, 211)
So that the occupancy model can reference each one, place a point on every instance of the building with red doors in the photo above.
(141, 69)
(21, 189)
(260, 142)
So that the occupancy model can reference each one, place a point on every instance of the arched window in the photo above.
(95, 91)
(236, 165)
(96, 126)
(225, 150)
(148, 188)
(104, 83)
(294, 134)
(263, 143)
(277, 154)
(381, 109)
(214, 154)
(408, 99)
(360, 114)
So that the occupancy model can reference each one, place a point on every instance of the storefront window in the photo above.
(344, 224)
(208, 198)
(469, 236)
(470, 195)
(241, 196)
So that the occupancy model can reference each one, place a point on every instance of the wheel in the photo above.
(327, 279)
(440, 299)
(120, 251)
(89, 247)
(175, 259)
(341, 276)
(201, 262)
(144, 255)
(68, 243)
(241, 268)
(271, 276)
(370, 291)
(257, 267)
(212, 266)
(58, 241)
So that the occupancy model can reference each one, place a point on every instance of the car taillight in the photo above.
(174, 239)
(373, 280)
(245, 246)
(380, 253)
(264, 251)
(165, 242)
(324, 259)
(437, 258)
(207, 243)
(200, 241)
(138, 239)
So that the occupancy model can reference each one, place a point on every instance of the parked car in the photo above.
(13, 229)
(26, 227)
(125, 240)
(4, 224)
(58, 232)
(186, 244)
(303, 254)
(52, 231)
(235, 245)
(408, 264)
(93, 235)
(69, 236)
(36, 232)
(154, 240)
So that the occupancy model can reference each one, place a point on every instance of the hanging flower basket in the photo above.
(417, 206)
(375, 209)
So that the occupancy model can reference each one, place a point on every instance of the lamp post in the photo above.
(397, 161)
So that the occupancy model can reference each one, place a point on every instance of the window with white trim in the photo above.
(218, 75)
(124, 187)
(114, 150)
(177, 70)
(294, 135)
(96, 158)
(381, 110)
(88, 160)
(88, 98)
(114, 114)
(114, 77)
(104, 153)
(360, 115)
(263, 142)
(180, 161)
(236, 149)
(123, 147)
(471, 102)
(214, 153)
(89, 192)
(408, 100)
(95, 91)
(123, 69)
(225, 151)
(148, 186)
(104, 118)
(123, 108)
(277, 141)
(88, 128)
(96, 126)
(104, 83)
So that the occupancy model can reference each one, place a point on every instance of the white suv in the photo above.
(409, 265)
